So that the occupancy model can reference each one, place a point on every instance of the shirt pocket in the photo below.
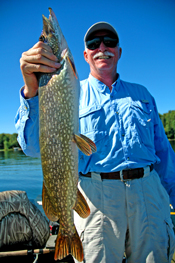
(142, 121)
(92, 125)
(91, 118)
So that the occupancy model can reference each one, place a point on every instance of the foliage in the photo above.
(8, 141)
(168, 120)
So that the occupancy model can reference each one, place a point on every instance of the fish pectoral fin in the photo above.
(90, 142)
(65, 55)
(81, 206)
(47, 206)
(66, 244)
(84, 144)
(72, 66)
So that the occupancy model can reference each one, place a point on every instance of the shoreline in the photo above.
(10, 150)
(16, 149)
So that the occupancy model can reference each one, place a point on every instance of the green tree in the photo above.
(6, 145)
(8, 141)
(13, 141)
(168, 120)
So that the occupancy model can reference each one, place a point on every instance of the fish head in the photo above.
(52, 35)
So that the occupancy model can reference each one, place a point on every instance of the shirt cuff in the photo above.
(33, 102)
(28, 111)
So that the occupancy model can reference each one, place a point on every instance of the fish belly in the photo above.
(58, 123)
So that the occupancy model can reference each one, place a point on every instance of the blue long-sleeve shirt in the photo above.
(124, 124)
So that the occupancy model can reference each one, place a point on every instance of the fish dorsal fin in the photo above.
(81, 206)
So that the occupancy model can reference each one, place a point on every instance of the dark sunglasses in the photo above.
(96, 41)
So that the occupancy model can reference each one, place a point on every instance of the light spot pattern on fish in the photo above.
(59, 138)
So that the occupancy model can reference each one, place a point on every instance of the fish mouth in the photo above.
(49, 34)
(52, 15)
(48, 28)
(49, 23)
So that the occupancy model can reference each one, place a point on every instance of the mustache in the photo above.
(105, 53)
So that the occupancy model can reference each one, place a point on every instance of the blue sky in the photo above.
(147, 36)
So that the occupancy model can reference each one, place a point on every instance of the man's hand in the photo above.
(39, 58)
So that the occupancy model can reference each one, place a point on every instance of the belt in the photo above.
(129, 174)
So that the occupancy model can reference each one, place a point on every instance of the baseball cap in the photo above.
(100, 26)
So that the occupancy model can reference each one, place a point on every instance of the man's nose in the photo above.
(102, 47)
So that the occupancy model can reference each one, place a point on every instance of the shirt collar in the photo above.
(101, 86)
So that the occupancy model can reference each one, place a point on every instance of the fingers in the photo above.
(31, 67)
(41, 50)
(39, 58)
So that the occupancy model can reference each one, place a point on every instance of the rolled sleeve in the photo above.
(27, 125)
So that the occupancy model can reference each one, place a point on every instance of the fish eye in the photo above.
(42, 38)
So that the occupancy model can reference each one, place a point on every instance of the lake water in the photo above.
(19, 172)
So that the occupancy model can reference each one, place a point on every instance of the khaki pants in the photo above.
(131, 217)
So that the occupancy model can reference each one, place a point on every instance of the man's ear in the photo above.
(86, 56)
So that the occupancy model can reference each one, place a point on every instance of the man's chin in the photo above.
(103, 64)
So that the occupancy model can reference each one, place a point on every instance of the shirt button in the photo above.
(130, 204)
(128, 158)
(123, 134)
(117, 112)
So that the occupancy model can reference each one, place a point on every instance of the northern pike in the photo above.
(59, 137)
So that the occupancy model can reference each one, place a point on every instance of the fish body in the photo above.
(59, 138)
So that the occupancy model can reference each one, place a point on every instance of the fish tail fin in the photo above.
(81, 206)
(86, 145)
(62, 245)
(66, 245)
(47, 206)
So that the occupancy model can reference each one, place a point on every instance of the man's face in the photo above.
(103, 59)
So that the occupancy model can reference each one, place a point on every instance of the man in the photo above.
(123, 180)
